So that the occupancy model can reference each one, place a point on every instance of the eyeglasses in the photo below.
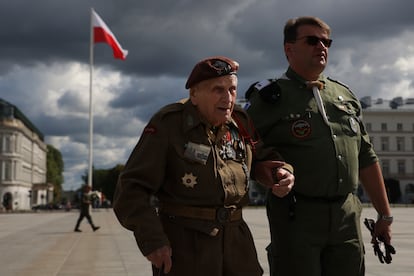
(314, 40)
(222, 68)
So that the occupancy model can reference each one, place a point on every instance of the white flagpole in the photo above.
(90, 106)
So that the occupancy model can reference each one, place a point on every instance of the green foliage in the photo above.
(55, 168)
(104, 180)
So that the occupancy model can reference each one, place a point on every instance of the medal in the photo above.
(354, 125)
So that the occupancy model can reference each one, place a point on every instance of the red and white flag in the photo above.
(101, 33)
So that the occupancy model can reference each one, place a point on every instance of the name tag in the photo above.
(197, 152)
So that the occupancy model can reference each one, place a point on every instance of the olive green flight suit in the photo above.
(315, 230)
(184, 161)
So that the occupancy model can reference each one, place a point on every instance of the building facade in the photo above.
(23, 156)
(390, 124)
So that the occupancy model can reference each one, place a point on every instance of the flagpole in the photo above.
(90, 105)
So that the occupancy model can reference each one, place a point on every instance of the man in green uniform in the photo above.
(195, 157)
(315, 124)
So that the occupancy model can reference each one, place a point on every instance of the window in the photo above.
(399, 127)
(401, 167)
(6, 143)
(383, 126)
(6, 170)
(385, 167)
(385, 144)
(400, 144)
(368, 126)
(412, 143)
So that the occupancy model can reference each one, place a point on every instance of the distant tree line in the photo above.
(103, 180)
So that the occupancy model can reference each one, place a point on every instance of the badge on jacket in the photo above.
(189, 180)
(197, 152)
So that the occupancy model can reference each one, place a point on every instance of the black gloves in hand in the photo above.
(381, 249)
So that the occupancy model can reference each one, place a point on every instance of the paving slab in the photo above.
(43, 244)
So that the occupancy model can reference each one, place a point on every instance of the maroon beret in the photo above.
(211, 67)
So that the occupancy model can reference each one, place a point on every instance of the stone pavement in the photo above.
(44, 244)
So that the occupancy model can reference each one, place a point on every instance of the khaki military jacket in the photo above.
(181, 159)
(326, 157)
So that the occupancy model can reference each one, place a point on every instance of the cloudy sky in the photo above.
(44, 60)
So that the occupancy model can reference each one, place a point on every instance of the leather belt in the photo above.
(221, 215)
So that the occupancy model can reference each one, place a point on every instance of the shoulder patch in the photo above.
(268, 90)
(149, 129)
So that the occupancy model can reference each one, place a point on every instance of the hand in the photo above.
(383, 229)
(285, 183)
(265, 172)
(382, 249)
(271, 175)
(161, 257)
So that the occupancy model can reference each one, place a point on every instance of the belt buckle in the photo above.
(223, 214)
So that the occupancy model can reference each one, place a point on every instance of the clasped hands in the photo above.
(272, 175)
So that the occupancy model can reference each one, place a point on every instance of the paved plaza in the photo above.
(44, 244)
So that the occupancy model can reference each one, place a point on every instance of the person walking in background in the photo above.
(85, 204)
(193, 159)
(315, 123)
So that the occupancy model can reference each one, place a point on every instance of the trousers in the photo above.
(323, 238)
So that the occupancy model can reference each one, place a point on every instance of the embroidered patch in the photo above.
(150, 129)
(301, 129)
(189, 180)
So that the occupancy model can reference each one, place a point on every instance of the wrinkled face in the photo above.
(215, 98)
(306, 57)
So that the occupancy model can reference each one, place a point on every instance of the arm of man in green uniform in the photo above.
(373, 182)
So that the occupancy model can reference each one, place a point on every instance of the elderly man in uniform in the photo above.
(315, 123)
(195, 157)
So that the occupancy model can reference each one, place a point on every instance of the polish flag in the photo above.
(101, 33)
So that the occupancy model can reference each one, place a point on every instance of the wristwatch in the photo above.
(388, 219)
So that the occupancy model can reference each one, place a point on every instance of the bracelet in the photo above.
(389, 219)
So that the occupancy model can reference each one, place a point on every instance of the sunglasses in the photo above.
(314, 40)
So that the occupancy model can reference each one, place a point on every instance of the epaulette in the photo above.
(340, 83)
(268, 90)
(170, 108)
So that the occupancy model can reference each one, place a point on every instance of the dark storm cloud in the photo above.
(44, 58)
(165, 37)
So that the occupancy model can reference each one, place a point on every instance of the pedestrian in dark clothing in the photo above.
(84, 209)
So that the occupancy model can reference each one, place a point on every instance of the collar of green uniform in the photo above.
(291, 74)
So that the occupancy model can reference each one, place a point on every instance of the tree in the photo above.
(54, 173)
(104, 180)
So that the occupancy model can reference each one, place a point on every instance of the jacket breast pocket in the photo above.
(348, 118)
